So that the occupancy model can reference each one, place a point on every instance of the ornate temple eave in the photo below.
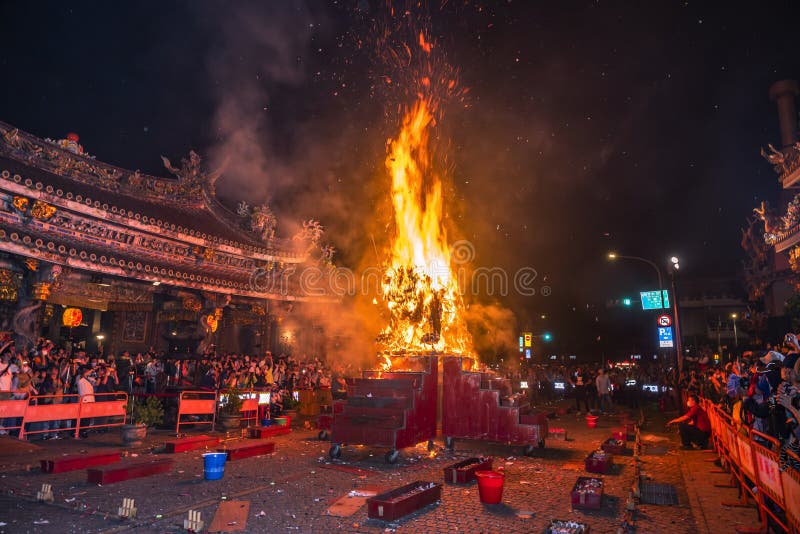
(791, 180)
(18, 185)
(788, 239)
(81, 260)
(191, 192)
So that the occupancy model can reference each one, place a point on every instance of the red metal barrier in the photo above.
(72, 409)
(197, 403)
(67, 410)
(790, 480)
(753, 459)
(13, 409)
(769, 477)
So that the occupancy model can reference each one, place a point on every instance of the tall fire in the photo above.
(420, 287)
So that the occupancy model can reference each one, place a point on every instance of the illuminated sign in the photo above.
(652, 300)
(527, 354)
(559, 385)
(523, 385)
(528, 339)
(553, 357)
(652, 388)
(665, 340)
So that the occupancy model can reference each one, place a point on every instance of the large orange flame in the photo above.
(420, 288)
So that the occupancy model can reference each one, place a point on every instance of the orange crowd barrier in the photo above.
(196, 404)
(752, 458)
(72, 414)
(790, 479)
(12, 408)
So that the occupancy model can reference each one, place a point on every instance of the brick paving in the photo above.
(295, 485)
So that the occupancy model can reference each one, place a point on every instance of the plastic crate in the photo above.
(588, 500)
(464, 471)
(613, 446)
(601, 465)
(557, 526)
(404, 500)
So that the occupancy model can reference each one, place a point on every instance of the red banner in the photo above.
(746, 457)
(769, 475)
(791, 492)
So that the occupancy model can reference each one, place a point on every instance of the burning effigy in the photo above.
(420, 293)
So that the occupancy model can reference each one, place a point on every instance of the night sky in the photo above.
(587, 126)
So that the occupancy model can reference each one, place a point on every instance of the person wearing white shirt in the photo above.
(86, 392)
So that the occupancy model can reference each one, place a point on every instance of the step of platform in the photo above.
(191, 443)
(127, 471)
(387, 403)
(248, 449)
(261, 432)
(79, 461)
(384, 422)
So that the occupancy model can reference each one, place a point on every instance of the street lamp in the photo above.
(614, 256)
(676, 264)
(735, 335)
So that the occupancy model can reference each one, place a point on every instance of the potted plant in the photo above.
(141, 414)
(290, 407)
(230, 413)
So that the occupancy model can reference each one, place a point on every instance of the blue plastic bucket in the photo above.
(214, 465)
(266, 422)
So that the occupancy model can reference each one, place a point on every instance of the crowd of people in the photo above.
(759, 390)
(51, 375)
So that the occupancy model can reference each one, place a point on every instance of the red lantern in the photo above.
(72, 317)
(72, 136)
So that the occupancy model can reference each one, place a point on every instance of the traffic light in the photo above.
(627, 302)
(547, 336)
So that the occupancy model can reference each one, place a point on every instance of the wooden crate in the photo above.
(404, 500)
(464, 471)
(587, 500)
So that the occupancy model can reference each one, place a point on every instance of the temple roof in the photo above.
(188, 202)
(68, 209)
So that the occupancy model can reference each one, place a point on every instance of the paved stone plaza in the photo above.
(292, 489)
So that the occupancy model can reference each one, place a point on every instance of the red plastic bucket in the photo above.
(490, 486)
(591, 421)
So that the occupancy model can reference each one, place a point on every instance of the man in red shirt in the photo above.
(694, 425)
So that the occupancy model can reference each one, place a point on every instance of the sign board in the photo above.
(655, 300)
(664, 320)
(527, 354)
(665, 340)
(528, 339)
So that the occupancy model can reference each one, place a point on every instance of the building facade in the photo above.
(147, 261)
